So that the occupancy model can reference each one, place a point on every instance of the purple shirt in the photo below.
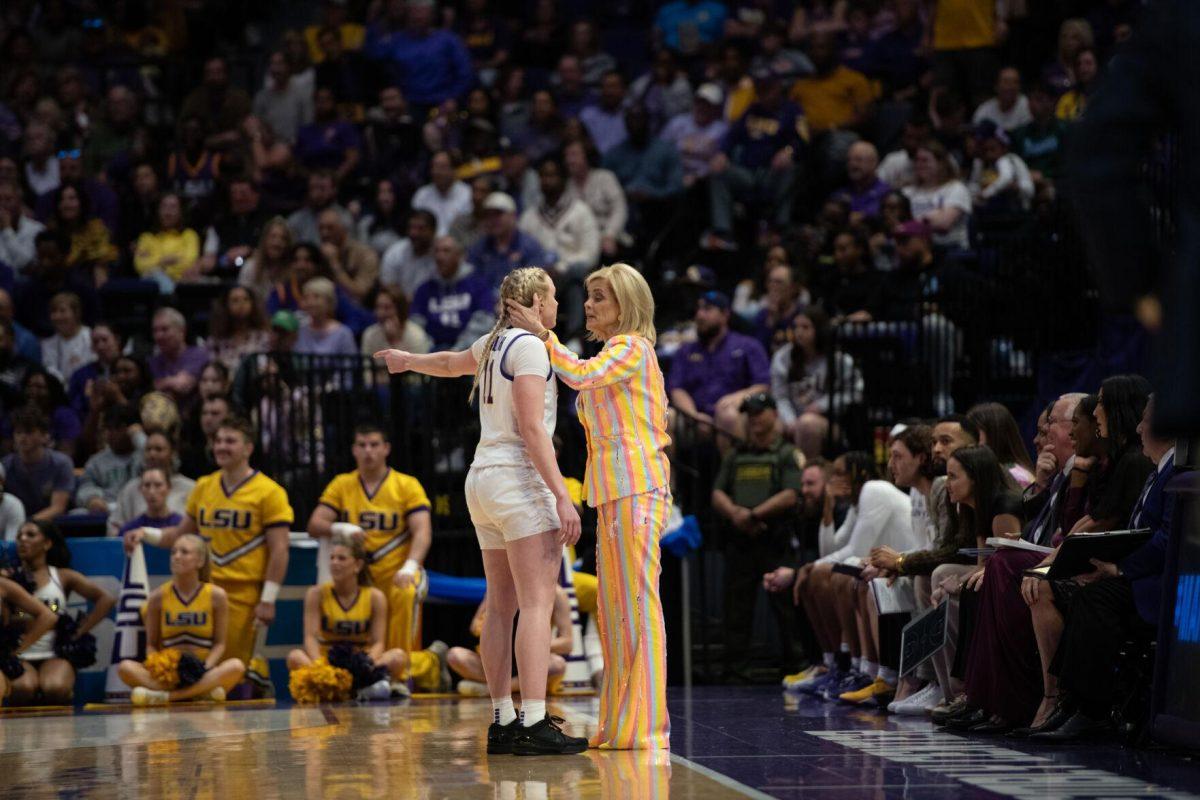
(737, 362)
(336, 341)
(33, 484)
(866, 202)
(323, 145)
(191, 360)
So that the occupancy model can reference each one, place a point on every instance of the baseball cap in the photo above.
(711, 94)
(715, 298)
(499, 201)
(697, 275)
(914, 227)
(757, 402)
(285, 321)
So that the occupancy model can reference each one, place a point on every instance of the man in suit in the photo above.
(1044, 506)
(1116, 602)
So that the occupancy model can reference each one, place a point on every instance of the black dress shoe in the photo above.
(1077, 728)
(992, 726)
(964, 722)
(1061, 713)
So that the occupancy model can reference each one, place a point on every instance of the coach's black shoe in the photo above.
(546, 739)
(1077, 728)
(500, 737)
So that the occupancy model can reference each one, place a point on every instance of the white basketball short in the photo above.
(508, 503)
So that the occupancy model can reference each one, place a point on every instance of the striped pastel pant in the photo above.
(633, 699)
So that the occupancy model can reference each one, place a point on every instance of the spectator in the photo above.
(1074, 35)
(354, 265)
(322, 194)
(540, 133)
(938, 197)
(91, 248)
(198, 460)
(235, 234)
(687, 26)
(758, 161)
(807, 394)
(305, 262)
(664, 91)
(171, 254)
(467, 229)
(1009, 109)
(835, 98)
(238, 327)
(1073, 103)
(381, 227)
(1000, 181)
(17, 230)
(429, 64)
(409, 262)
(454, 307)
(854, 289)
(110, 469)
(710, 377)
(571, 94)
(127, 383)
(649, 170)
(13, 368)
(393, 136)
(344, 72)
(41, 478)
(756, 493)
(783, 299)
(267, 265)
(12, 512)
(321, 333)
(605, 120)
(775, 54)
(395, 329)
(444, 197)
(334, 15)
(113, 138)
(814, 19)
(329, 142)
(166, 498)
(1040, 143)
(193, 169)
(865, 191)
(964, 36)
(106, 345)
(41, 170)
(283, 103)
(584, 45)
(488, 38)
(71, 345)
(51, 275)
(898, 168)
(504, 246)
(599, 190)
(215, 100)
(23, 341)
(175, 365)
(697, 136)
(43, 390)
(564, 226)
(998, 431)
(139, 204)
(542, 39)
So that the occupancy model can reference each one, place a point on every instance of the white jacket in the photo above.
(882, 516)
(568, 228)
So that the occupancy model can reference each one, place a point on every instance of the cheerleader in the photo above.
(349, 611)
(15, 638)
(186, 623)
(51, 661)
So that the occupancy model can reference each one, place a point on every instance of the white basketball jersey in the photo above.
(514, 352)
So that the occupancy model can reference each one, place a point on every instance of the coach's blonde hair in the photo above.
(521, 285)
(197, 541)
(634, 302)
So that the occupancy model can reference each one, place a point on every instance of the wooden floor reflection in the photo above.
(419, 749)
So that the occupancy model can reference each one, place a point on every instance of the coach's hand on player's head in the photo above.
(568, 520)
(523, 317)
(397, 361)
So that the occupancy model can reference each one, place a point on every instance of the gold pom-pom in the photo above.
(320, 682)
(163, 666)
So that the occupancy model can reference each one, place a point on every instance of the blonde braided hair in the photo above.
(522, 285)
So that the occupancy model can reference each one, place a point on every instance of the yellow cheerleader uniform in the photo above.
(187, 622)
(344, 624)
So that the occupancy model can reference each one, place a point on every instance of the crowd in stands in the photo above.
(349, 176)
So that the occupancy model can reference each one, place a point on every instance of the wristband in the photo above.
(152, 535)
(411, 567)
(270, 592)
(344, 529)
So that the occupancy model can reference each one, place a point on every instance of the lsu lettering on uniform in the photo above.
(187, 622)
(344, 624)
(383, 516)
(234, 520)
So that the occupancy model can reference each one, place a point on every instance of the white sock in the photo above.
(503, 711)
(855, 663)
(828, 659)
(887, 675)
(844, 647)
(532, 712)
(869, 668)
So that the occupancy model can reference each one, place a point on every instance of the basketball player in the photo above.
(519, 506)
(348, 610)
(388, 513)
(245, 517)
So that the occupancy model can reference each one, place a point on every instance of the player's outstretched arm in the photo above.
(446, 364)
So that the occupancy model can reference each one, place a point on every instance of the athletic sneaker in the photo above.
(217, 695)
(399, 689)
(500, 737)
(379, 690)
(868, 694)
(919, 704)
(793, 682)
(473, 689)
(141, 696)
(851, 682)
(818, 681)
(546, 738)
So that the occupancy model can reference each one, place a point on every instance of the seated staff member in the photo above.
(49, 679)
(245, 517)
(14, 598)
(154, 487)
(469, 665)
(348, 610)
(190, 614)
(388, 513)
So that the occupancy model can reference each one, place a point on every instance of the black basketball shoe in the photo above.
(500, 737)
(546, 739)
